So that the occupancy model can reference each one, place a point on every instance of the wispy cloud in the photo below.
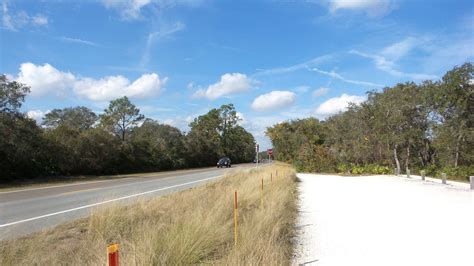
(19, 19)
(128, 9)
(335, 75)
(76, 40)
(320, 92)
(280, 70)
(386, 60)
(152, 37)
(373, 8)
(301, 89)
(389, 66)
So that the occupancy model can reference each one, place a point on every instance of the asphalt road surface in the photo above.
(25, 211)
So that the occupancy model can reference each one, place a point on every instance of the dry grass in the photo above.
(189, 227)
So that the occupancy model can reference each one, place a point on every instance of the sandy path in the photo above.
(384, 220)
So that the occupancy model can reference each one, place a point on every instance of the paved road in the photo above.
(29, 210)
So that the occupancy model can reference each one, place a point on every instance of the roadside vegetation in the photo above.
(189, 227)
(427, 126)
(77, 141)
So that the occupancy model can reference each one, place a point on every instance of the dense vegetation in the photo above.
(409, 126)
(74, 141)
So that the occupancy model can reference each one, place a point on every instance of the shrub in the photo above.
(457, 173)
(372, 169)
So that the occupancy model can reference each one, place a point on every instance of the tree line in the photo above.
(427, 126)
(77, 141)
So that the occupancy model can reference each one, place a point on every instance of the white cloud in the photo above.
(337, 104)
(373, 8)
(36, 115)
(400, 49)
(273, 100)
(19, 19)
(133, 9)
(339, 77)
(180, 122)
(129, 9)
(242, 119)
(46, 79)
(320, 92)
(230, 83)
(112, 87)
(39, 20)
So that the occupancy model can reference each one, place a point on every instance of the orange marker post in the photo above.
(235, 218)
(113, 255)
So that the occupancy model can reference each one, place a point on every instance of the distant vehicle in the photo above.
(223, 162)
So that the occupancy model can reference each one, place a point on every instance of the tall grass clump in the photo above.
(190, 227)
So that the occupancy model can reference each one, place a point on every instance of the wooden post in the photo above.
(261, 195)
(471, 179)
(443, 177)
(423, 175)
(235, 218)
(408, 173)
(113, 255)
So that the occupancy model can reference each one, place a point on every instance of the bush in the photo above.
(457, 173)
(342, 168)
(372, 169)
(314, 158)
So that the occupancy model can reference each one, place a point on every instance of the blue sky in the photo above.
(274, 60)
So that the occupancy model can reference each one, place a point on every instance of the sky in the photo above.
(274, 60)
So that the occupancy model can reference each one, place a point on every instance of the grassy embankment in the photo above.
(189, 227)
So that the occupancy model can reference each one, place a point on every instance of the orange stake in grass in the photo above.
(113, 255)
(235, 218)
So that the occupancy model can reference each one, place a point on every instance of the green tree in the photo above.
(291, 139)
(12, 95)
(120, 117)
(218, 134)
(228, 120)
(452, 101)
(240, 145)
(203, 140)
(158, 146)
(80, 118)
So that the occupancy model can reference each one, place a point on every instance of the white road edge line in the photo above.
(104, 202)
(64, 185)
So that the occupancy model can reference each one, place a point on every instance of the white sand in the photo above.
(384, 220)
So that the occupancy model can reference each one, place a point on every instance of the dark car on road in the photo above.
(223, 162)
